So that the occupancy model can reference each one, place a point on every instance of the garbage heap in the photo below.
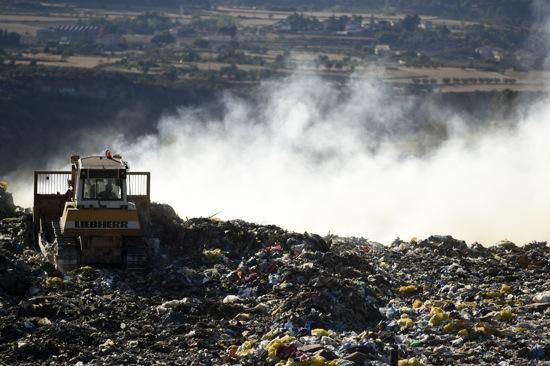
(7, 207)
(236, 293)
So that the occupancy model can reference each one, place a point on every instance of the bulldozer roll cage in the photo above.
(51, 187)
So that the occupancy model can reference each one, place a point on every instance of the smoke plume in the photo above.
(308, 156)
(354, 159)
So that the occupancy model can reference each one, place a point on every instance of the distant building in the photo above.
(353, 27)
(382, 50)
(385, 24)
(486, 53)
(220, 42)
(68, 33)
(111, 40)
(373, 24)
(137, 41)
(182, 31)
(331, 24)
(428, 24)
(282, 26)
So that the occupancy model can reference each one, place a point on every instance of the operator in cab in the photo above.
(108, 193)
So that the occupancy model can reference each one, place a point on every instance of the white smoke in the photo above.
(305, 158)
(308, 155)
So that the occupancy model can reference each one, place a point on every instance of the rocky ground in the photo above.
(235, 293)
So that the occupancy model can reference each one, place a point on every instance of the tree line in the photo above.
(516, 10)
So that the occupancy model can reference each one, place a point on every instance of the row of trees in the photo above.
(517, 10)
(514, 10)
(407, 35)
(154, 22)
(466, 81)
(220, 24)
(300, 22)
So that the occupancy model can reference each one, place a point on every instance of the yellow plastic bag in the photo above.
(408, 362)
(275, 344)
(54, 281)
(438, 316)
(506, 315)
(213, 253)
(449, 327)
(463, 333)
(407, 289)
(319, 332)
(107, 344)
(245, 349)
(505, 289)
(405, 323)
(316, 360)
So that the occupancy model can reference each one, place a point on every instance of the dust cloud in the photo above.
(355, 159)
(308, 157)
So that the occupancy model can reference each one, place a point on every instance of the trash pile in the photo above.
(469, 305)
(236, 293)
(7, 207)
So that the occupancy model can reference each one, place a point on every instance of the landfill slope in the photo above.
(236, 293)
(7, 207)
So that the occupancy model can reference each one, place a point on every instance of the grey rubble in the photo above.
(227, 293)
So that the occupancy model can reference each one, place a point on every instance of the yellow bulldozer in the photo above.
(97, 214)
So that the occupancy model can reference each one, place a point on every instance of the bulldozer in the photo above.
(97, 214)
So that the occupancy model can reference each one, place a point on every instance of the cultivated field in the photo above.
(86, 62)
(300, 51)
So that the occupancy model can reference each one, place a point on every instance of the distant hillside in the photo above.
(519, 11)
(129, 4)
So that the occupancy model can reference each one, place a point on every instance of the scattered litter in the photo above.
(228, 293)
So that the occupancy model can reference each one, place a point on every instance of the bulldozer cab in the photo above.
(101, 182)
(87, 186)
